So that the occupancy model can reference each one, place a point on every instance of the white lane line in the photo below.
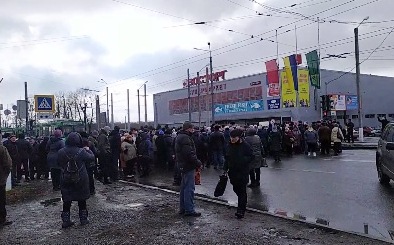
(351, 160)
(303, 170)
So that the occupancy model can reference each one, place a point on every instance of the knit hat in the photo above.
(95, 133)
(58, 133)
(187, 125)
(236, 133)
(161, 132)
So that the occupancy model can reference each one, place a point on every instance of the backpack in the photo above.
(71, 174)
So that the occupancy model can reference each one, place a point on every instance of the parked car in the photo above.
(367, 132)
(385, 155)
(376, 132)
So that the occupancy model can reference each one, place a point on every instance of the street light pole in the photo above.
(112, 112)
(146, 106)
(128, 109)
(139, 107)
(107, 117)
(211, 77)
(357, 51)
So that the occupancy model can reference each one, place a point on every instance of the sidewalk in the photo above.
(125, 214)
(370, 143)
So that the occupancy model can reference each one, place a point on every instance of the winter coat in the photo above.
(311, 137)
(5, 165)
(115, 142)
(216, 141)
(275, 141)
(24, 149)
(145, 149)
(288, 138)
(185, 152)
(53, 146)
(334, 135)
(79, 191)
(103, 144)
(238, 159)
(160, 146)
(42, 152)
(35, 156)
(129, 150)
(324, 134)
(169, 144)
(263, 134)
(297, 136)
(13, 151)
(257, 149)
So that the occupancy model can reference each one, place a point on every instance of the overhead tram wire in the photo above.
(259, 34)
(373, 51)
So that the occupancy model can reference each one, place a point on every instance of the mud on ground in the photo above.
(123, 214)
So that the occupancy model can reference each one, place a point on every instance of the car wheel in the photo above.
(383, 178)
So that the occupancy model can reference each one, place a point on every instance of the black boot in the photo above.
(83, 217)
(66, 220)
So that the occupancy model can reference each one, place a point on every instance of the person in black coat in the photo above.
(12, 148)
(275, 142)
(169, 146)
(42, 166)
(145, 155)
(75, 191)
(24, 151)
(115, 143)
(239, 156)
(217, 147)
(187, 161)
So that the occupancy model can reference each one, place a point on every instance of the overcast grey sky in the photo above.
(65, 45)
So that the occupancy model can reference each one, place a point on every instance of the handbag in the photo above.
(197, 177)
(221, 186)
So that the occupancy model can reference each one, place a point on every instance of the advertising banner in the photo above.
(245, 106)
(337, 102)
(273, 104)
(273, 90)
(313, 61)
(303, 88)
(351, 102)
(272, 71)
(291, 70)
(288, 92)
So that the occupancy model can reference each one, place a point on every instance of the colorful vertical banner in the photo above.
(313, 61)
(303, 88)
(273, 89)
(289, 96)
(291, 70)
(272, 71)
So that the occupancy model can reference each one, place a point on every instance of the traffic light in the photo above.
(328, 101)
(323, 102)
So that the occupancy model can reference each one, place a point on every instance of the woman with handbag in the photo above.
(337, 137)
(238, 158)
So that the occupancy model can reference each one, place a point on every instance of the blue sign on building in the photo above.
(245, 106)
(351, 102)
(44, 103)
(273, 104)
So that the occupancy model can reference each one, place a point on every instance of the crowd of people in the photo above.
(77, 159)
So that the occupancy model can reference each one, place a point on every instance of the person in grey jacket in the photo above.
(54, 144)
(75, 191)
(257, 147)
(311, 138)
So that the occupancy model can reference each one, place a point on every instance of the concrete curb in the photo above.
(224, 203)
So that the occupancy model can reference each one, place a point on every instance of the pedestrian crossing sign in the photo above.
(44, 103)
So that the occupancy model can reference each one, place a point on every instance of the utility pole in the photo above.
(112, 112)
(107, 116)
(146, 106)
(211, 77)
(198, 100)
(26, 109)
(98, 119)
(128, 109)
(188, 96)
(357, 52)
(64, 108)
(139, 107)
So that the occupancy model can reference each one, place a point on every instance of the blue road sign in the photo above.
(44, 103)
(245, 106)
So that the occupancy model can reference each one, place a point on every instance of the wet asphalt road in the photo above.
(342, 192)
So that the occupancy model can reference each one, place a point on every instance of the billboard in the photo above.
(303, 88)
(273, 104)
(351, 102)
(244, 106)
(337, 102)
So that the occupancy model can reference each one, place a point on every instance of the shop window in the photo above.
(370, 116)
(354, 116)
(381, 115)
(391, 115)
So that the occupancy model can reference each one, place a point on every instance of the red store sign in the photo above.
(204, 79)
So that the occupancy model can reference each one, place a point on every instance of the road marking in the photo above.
(303, 170)
(351, 160)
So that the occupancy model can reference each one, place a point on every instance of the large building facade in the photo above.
(248, 100)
